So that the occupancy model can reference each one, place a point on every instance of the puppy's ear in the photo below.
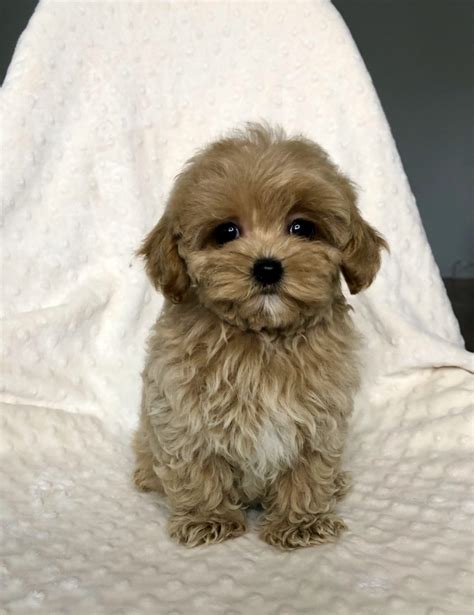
(164, 266)
(361, 256)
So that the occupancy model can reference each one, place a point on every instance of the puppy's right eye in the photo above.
(302, 228)
(225, 232)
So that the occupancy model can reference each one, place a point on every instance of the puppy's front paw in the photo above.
(193, 530)
(320, 529)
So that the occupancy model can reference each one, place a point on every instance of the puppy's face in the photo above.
(261, 227)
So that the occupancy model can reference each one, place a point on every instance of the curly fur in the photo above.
(246, 395)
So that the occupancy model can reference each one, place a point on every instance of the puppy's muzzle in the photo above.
(267, 271)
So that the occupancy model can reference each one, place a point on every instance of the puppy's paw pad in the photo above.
(320, 529)
(193, 532)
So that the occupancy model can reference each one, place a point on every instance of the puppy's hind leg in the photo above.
(144, 476)
(343, 484)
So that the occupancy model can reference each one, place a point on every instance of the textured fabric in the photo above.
(102, 104)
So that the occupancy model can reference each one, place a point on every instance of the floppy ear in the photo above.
(361, 256)
(164, 266)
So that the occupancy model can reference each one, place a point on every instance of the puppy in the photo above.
(251, 366)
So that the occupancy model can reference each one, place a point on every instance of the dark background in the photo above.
(420, 56)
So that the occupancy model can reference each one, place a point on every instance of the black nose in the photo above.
(267, 271)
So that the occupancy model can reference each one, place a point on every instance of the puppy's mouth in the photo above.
(269, 290)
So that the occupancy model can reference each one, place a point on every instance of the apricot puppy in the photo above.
(251, 366)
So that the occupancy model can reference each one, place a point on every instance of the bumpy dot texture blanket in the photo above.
(102, 104)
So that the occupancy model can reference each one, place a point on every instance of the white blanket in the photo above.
(102, 104)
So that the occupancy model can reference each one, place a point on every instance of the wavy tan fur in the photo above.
(246, 395)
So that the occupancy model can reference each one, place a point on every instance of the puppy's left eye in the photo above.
(228, 231)
(302, 228)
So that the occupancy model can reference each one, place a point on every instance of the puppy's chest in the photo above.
(257, 422)
(253, 405)
(275, 447)
(265, 439)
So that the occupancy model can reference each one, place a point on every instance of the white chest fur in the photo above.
(275, 450)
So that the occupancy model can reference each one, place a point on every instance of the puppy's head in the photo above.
(258, 227)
